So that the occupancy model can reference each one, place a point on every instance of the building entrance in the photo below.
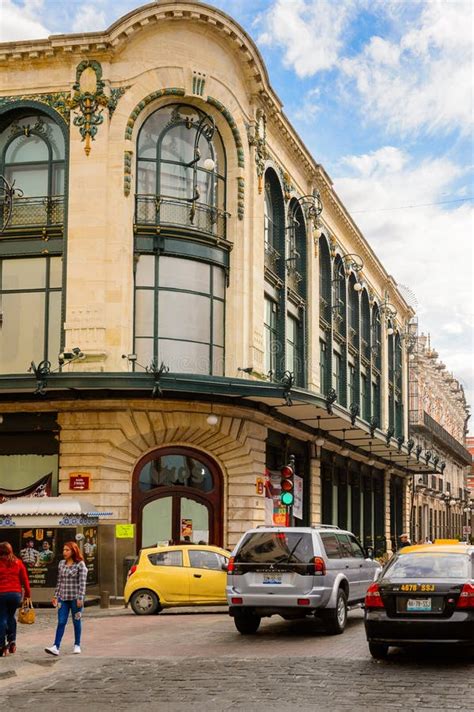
(177, 496)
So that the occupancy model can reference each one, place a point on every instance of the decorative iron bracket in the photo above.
(354, 411)
(157, 373)
(373, 426)
(287, 382)
(41, 373)
(410, 445)
(418, 452)
(331, 397)
(7, 193)
(389, 434)
(400, 441)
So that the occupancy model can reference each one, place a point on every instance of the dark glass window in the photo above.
(345, 546)
(294, 356)
(357, 550)
(175, 470)
(166, 558)
(200, 559)
(271, 337)
(331, 546)
(275, 548)
(324, 281)
(365, 325)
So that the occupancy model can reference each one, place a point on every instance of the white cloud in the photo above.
(89, 19)
(21, 22)
(423, 79)
(429, 249)
(309, 31)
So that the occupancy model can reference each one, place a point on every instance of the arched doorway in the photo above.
(177, 493)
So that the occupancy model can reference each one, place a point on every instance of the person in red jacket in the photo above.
(13, 580)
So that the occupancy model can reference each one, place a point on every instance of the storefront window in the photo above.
(175, 470)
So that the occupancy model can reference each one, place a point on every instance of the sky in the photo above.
(381, 93)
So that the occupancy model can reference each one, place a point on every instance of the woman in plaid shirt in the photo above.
(69, 595)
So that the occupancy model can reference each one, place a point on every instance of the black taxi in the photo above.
(424, 594)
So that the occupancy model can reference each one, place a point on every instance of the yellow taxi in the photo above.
(184, 575)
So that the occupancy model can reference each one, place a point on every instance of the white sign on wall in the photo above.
(298, 503)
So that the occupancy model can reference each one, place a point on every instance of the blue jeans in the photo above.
(9, 602)
(63, 614)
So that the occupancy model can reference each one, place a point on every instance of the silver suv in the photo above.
(295, 572)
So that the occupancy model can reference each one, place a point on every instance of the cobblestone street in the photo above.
(181, 661)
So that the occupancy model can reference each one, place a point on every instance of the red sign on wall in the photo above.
(79, 481)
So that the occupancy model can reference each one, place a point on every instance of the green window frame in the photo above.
(270, 328)
(179, 314)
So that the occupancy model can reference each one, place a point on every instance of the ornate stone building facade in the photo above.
(195, 301)
(438, 422)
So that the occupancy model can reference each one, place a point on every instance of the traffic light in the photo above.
(287, 473)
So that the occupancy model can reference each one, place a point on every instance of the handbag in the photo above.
(26, 613)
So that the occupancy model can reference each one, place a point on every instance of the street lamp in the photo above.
(206, 127)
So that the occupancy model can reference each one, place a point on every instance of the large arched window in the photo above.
(365, 383)
(353, 375)
(376, 364)
(32, 155)
(296, 291)
(339, 317)
(181, 170)
(274, 302)
(325, 341)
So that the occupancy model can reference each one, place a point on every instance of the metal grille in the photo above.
(156, 210)
(271, 258)
(41, 211)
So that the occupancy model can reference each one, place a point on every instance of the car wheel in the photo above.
(335, 619)
(145, 602)
(379, 651)
(247, 623)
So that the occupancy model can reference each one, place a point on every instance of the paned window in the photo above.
(271, 337)
(179, 314)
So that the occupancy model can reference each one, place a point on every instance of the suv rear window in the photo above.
(444, 566)
(331, 546)
(275, 548)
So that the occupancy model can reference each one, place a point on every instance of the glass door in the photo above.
(175, 519)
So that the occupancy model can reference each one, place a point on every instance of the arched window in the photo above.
(353, 305)
(339, 297)
(325, 341)
(274, 310)
(398, 383)
(32, 155)
(365, 378)
(181, 171)
(391, 380)
(376, 365)
(296, 289)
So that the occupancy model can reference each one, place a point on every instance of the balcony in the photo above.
(272, 258)
(424, 423)
(156, 211)
(294, 278)
(31, 212)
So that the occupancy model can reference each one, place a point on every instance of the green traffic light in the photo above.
(287, 498)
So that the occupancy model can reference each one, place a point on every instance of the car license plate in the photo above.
(272, 578)
(419, 604)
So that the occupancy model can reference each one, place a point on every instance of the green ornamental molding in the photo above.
(90, 100)
(59, 101)
(169, 91)
(233, 127)
(240, 198)
(127, 172)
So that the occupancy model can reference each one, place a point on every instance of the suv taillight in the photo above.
(319, 566)
(466, 598)
(231, 566)
(131, 570)
(373, 599)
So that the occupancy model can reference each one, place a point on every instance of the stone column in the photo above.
(387, 478)
(315, 488)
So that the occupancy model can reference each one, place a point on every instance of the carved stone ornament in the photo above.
(288, 186)
(89, 100)
(59, 101)
(257, 137)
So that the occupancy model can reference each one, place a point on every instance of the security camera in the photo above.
(130, 357)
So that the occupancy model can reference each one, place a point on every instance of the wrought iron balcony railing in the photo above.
(33, 212)
(421, 421)
(272, 257)
(175, 212)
